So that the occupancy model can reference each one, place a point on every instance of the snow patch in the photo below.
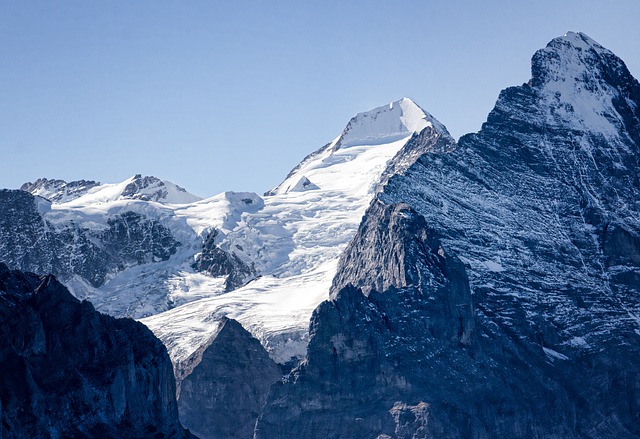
(43, 206)
(579, 342)
(554, 354)
(496, 267)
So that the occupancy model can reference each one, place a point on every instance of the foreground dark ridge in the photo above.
(69, 371)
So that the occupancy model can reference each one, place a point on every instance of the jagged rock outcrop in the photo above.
(150, 188)
(414, 362)
(29, 242)
(224, 384)
(394, 248)
(216, 262)
(294, 238)
(304, 184)
(59, 191)
(540, 209)
(69, 371)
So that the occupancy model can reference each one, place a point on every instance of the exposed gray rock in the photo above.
(148, 188)
(539, 212)
(217, 262)
(395, 248)
(304, 184)
(59, 191)
(69, 371)
(224, 384)
(30, 243)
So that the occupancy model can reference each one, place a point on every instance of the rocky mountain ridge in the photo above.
(542, 339)
(69, 371)
(491, 288)
(58, 191)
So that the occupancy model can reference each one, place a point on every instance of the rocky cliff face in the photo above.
(32, 243)
(59, 191)
(68, 371)
(412, 257)
(224, 384)
(539, 211)
(217, 263)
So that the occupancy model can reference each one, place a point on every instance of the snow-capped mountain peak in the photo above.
(59, 191)
(581, 40)
(153, 189)
(385, 124)
(368, 141)
(138, 187)
(582, 81)
(573, 57)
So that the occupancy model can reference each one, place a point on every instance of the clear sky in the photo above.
(230, 95)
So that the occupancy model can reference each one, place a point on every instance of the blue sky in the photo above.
(221, 96)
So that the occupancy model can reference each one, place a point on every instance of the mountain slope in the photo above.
(224, 384)
(539, 211)
(68, 371)
(59, 191)
(294, 241)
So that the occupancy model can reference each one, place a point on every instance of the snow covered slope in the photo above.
(59, 191)
(145, 245)
(136, 188)
(295, 239)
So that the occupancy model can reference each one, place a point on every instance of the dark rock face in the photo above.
(412, 256)
(224, 385)
(59, 191)
(134, 239)
(69, 371)
(409, 362)
(413, 362)
(539, 211)
(216, 262)
(376, 368)
(30, 243)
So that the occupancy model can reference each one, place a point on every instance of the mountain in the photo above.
(59, 191)
(492, 288)
(224, 384)
(265, 261)
(132, 251)
(69, 371)
(293, 240)
(480, 288)
(135, 188)
(76, 244)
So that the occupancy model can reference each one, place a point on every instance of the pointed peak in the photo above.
(574, 44)
(578, 40)
(379, 133)
(407, 103)
(575, 63)
(387, 123)
(150, 188)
